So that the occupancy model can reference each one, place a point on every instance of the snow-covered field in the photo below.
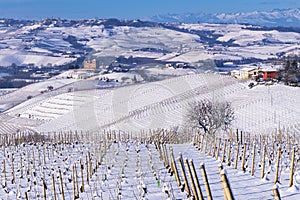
(161, 104)
(43, 43)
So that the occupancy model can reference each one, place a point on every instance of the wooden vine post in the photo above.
(210, 146)
(77, 188)
(218, 150)
(195, 195)
(214, 147)
(263, 162)
(53, 185)
(236, 156)
(243, 158)
(165, 156)
(90, 165)
(224, 151)
(277, 165)
(253, 160)
(87, 169)
(241, 140)
(61, 185)
(44, 189)
(205, 146)
(226, 186)
(186, 185)
(21, 166)
(12, 170)
(205, 180)
(174, 167)
(200, 142)
(26, 196)
(276, 192)
(196, 180)
(4, 174)
(228, 154)
(76, 196)
(292, 167)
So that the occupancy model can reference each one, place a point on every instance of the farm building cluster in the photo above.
(260, 72)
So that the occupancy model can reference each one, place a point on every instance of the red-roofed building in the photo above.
(269, 74)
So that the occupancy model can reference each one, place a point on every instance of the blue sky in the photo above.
(130, 9)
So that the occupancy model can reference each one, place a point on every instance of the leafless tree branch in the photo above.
(210, 116)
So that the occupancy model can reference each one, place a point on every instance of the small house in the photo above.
(248, 72)
(245, 73)
(269, 73)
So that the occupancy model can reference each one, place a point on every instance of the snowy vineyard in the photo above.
(151, 165)
(161, 104)
(52, 146)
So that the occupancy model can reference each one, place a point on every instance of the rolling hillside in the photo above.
(161, 104)
(59, 42)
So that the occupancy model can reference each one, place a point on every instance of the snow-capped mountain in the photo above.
(277, 17)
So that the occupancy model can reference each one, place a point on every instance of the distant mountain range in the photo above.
(277, 17)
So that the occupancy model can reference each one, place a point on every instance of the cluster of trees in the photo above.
(291, 72)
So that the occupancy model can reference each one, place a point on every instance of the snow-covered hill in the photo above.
(277, 17)
(161, 104)
(58, 42)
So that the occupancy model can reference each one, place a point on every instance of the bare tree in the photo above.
(210, 116)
